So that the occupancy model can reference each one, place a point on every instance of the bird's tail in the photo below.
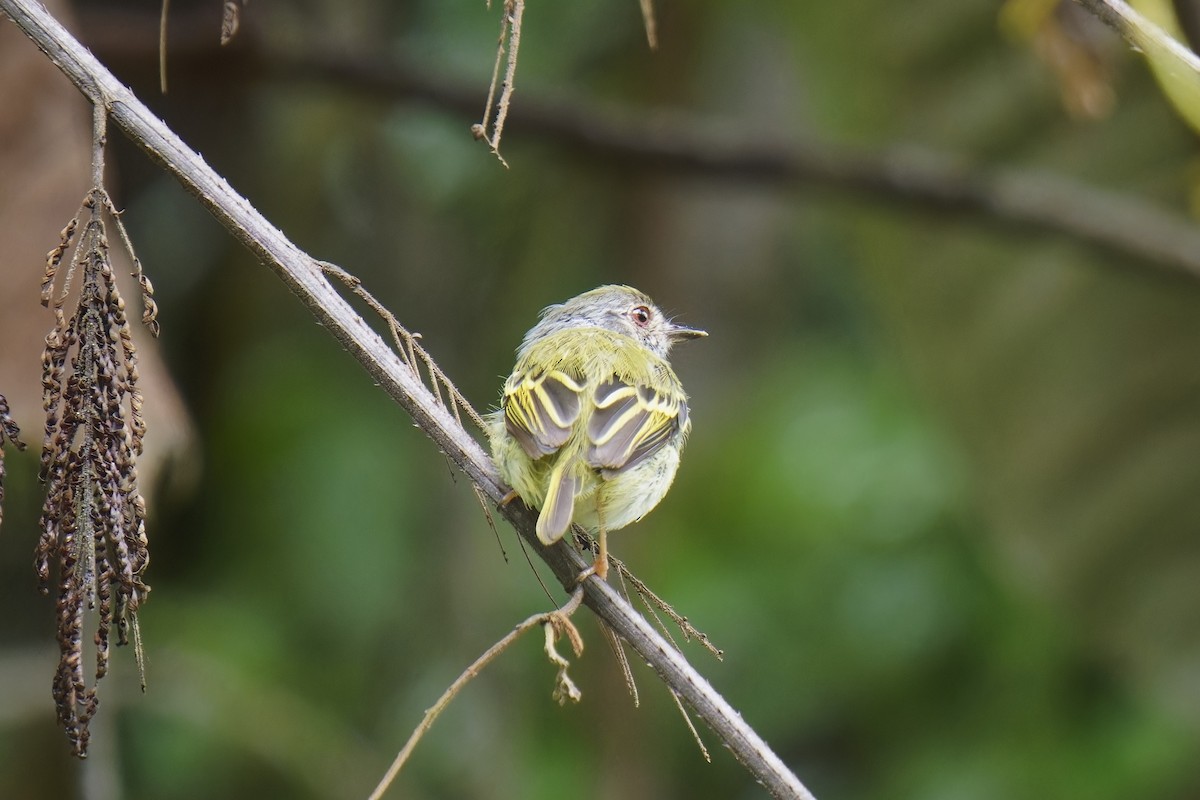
(564, 484)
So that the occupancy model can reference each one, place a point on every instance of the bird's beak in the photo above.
(680, 332)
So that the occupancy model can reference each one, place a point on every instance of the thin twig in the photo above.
(654, 601)
(687, 719)
(495, 111)
(304, 277)
(162, 45)
(480, 129)
(413, 353)
(514, 11)
(533, 568)
(553, 621)
(486, 508)
(618, 649)
(622, 571)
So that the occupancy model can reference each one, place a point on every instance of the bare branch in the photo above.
(305, 277)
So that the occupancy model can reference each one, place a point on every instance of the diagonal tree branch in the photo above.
(304, 276)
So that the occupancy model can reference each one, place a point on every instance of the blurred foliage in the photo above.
(939, 505)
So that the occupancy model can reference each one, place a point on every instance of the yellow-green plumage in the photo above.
(625, 496)
(593, 418)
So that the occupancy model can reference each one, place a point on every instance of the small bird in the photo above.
(593, 418)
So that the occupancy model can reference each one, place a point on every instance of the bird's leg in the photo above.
(599, 567)
(508, 498)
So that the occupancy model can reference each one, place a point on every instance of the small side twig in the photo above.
(411, 353)
(532, 568)
(485, 507)
(618, 649)
(557, 623)
(650, 598)
(491, 127)
(162, 45)
(687, 720)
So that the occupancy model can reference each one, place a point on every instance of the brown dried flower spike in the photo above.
(93, 521)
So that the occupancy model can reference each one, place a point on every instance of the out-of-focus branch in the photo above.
(914, 178)
(305, 277)
(1153, 237)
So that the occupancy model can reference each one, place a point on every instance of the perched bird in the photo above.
(593, 418)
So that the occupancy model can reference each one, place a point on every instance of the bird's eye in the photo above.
(640, 315)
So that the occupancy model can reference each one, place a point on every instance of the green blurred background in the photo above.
(939, 507)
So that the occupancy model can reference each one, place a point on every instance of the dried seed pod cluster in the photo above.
(93, 521)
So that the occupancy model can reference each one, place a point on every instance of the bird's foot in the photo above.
(599, 568)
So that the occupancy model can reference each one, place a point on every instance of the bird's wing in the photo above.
(540, 409)
(630, 423)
